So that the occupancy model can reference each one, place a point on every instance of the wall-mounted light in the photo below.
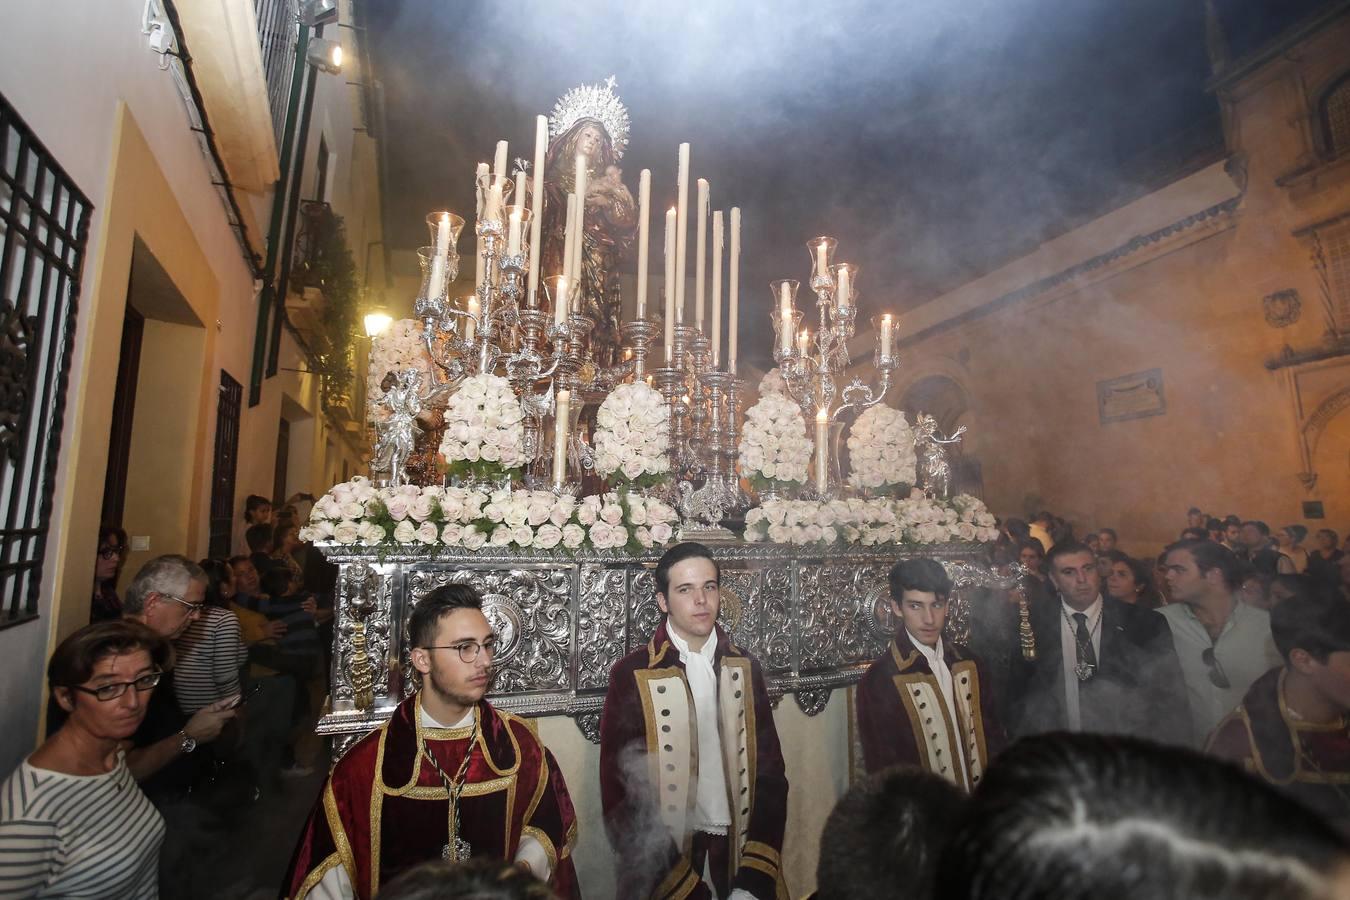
(377, 321)
(324, 55)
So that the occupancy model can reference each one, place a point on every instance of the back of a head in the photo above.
(276, 582)
(1311, 620)
(886, 832)
(1090, 817)
(259, 537)
(476, 879)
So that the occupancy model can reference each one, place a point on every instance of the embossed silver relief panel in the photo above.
(602, 609)
(365, 593)
(836, 618)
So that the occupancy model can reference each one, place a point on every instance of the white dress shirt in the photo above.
(712, 814)
(1068, 639)
(943, 674)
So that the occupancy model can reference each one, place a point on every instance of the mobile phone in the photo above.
(247, 695)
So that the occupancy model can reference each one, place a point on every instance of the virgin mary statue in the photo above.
(590, 120)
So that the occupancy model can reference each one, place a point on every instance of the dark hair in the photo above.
(241, 558)
(921, 574)
(276, 581)
(1298, 532)
(1230, 520)
(1313, 621)
(678, 554)
(440, 602)
(887, 830)
(111, 531)
(1194, 534)
(474, 879)
(217, 572)
(1110, 531)
(74, 659)
(1213, 523)
(279, 531)
(1143, 576)
(1209, 555)
(1080, 816)
(1017, 529)
(1032, 544)
(254, 503)
(1195, 511)
(1064, 549)
(1259, 526)
(258, 537)
(1335, 538)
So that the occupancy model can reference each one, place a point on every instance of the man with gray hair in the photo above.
(167, 594)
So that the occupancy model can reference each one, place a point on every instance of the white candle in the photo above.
(822, 451)
(734, 284)
(681, 228)
(478, 211)
(579, 245)
(560, 302)
(672, 222)
(785, 317)
(561, 421)
(845, 287)
(804, 342)
(716, 288)
(644, 213)
(436, 278)
(443, 235)
(471, 322)
(821, 259)
(519, 188)
(513, 235)
(537, 205)
(499, 161)
(569, 234)
(492, 206)
(700, 252)
(887, 328)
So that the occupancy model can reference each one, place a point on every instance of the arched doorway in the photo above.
(946, 401)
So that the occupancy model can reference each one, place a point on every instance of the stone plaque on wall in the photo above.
(1134, 396)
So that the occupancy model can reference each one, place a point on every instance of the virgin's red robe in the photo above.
(903, 717)
(1310, 761)
(384, 808)
(649, 773)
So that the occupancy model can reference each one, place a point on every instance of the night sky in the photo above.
(936, 139)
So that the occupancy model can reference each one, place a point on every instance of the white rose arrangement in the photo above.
(881, 450)
(484, 428)
(357, 513)
(913, 520)
(774, 451)
(399, 348)
(632, 435)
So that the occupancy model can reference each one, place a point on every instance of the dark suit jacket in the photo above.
(1138, 688)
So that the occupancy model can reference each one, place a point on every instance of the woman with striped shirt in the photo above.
(73, 822)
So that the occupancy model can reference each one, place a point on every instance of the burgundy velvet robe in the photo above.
(903, 718)
(1307, 760)
(649, 773)
(384, 808)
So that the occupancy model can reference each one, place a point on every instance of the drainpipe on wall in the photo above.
(267, 296)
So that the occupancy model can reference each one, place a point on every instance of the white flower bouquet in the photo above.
(632, 435)
(399, 348)
(357, 513)
(484, 429)
(913, 520)
(774, 451)
(881, 450)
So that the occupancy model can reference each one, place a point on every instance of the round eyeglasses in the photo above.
(469, 650)
(106, 692)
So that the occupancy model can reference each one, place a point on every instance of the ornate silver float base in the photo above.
(814, 619)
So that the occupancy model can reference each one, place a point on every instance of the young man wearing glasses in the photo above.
(691, 772)
(447, 777)
(1291, 727)
(1223, 645)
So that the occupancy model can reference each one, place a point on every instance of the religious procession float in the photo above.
(532, 441)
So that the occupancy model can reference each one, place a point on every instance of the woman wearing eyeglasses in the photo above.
(112, 552)
(73, 821)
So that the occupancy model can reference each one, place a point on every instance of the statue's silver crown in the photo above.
(592, 101)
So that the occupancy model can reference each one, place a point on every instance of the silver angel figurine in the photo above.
(398, 434)
(934, 470)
